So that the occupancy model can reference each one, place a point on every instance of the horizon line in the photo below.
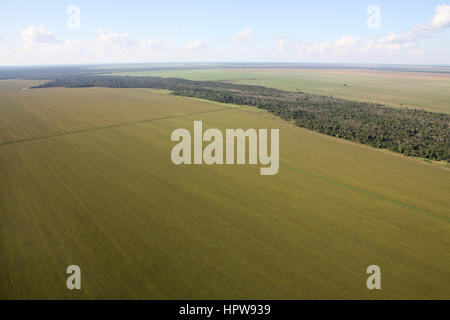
(226, 63)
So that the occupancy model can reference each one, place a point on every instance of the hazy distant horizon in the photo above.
(439, 68)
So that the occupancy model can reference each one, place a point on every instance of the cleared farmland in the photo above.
(31, 114)
(87, 179)
(430, 91)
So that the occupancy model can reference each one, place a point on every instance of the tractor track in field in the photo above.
(109, 127)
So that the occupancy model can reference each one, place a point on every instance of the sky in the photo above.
(321, 31)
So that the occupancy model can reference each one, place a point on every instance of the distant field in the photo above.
(87, 179)
(18, 84)
(430, 91)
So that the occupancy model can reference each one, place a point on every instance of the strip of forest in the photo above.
(412, 132)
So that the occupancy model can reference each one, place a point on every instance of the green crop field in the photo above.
(430, 91)
(86, 178)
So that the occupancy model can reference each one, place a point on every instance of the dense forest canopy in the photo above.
(411, 132)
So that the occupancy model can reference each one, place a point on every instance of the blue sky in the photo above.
(37, 32)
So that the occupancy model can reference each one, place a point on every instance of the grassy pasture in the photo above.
(107, 198)
(430, 91)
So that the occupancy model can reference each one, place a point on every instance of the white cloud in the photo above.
(345, 45)
(109, 38)
(441, 18)
(395, 48)
(195, 45)
(317, 48)
(408, 43)
(351, 47)
(347, 42)
(74, 46)
(38, 41)
(71, 47)
(440, 21)
(243, 36)
(393, 45)
(393, 38)
(32, 34)
(282, 45)
(42, 46)
(153, 47)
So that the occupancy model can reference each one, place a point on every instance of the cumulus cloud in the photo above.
(122, 43)
(395, 48)
(195, 45)
(352, 46)
(154, 45)
(408, 43)
(74, 46)
(390, 45)
(440, 21)
(316, 48)
(243, 36)
(109, 38)
(110, 46)
(282, 45)
(347, 42)
(33, 34)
